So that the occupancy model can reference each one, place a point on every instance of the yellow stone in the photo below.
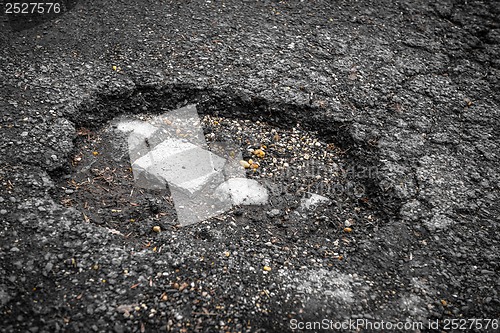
(259, 153)
(245, 164)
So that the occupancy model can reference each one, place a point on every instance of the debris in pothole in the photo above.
(173, 152)
(295, 160)
(180, 168)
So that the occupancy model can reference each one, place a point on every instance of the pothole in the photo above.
(145, 173)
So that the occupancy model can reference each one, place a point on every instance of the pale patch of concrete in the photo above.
(315, 287)
(412, 305)
(337, 285)
(439, 222)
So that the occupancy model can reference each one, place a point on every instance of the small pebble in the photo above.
(49, 266)
(118, 328)
(245, 164)
(273, 212)
(259, 153)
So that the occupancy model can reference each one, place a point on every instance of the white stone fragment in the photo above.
(313, 201)
(243, 191)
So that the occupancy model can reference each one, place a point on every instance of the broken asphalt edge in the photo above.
(125, 96)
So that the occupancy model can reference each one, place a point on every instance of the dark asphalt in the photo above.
(409, 88)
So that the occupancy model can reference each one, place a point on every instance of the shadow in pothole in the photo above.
(310, 180)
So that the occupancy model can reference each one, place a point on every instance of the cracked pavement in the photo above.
(409, 88)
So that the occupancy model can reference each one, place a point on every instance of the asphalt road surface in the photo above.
(398, 99)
